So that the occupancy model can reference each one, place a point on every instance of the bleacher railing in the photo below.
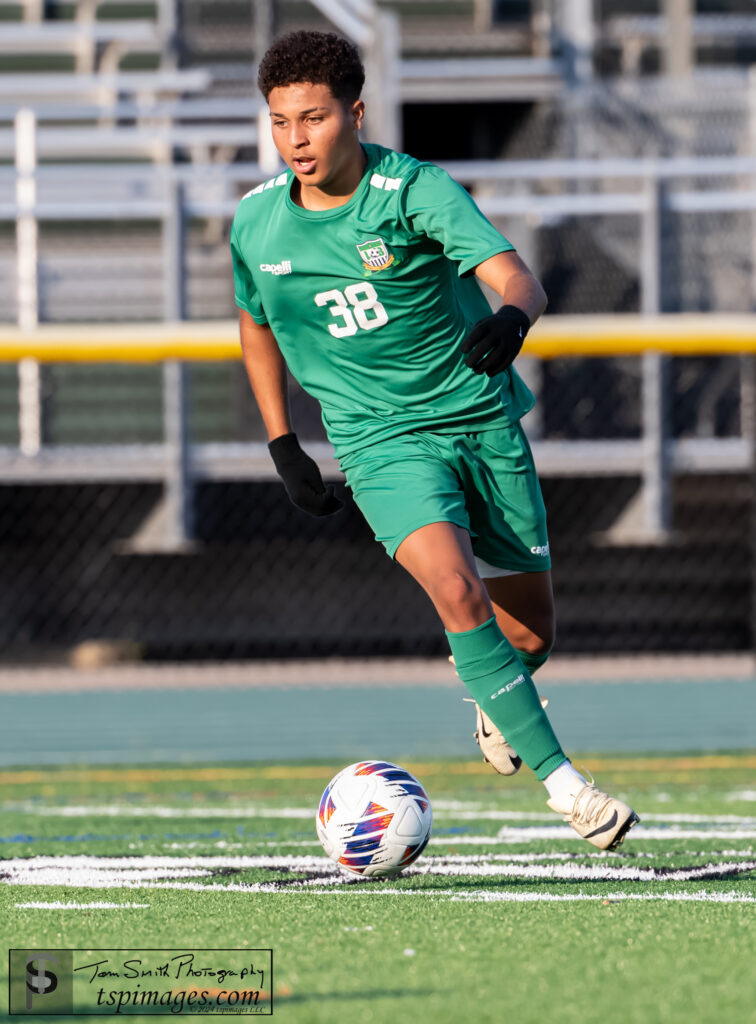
(179, 464)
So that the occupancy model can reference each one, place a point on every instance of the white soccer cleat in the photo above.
(495, 749)
(597, 817)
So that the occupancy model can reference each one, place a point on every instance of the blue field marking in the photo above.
(92, 837)
(349, 724)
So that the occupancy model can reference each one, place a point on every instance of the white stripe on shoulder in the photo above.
(387, 184)
(271, 183)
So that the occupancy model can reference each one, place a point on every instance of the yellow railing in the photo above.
(688, 334)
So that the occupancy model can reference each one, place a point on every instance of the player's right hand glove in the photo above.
(301, 477)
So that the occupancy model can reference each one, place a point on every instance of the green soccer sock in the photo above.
(494, 674)
(532, 662)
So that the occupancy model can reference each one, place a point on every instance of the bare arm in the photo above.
(495, 341)
(510, 278)
(266, 370)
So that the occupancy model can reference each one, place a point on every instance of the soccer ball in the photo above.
(374, 819)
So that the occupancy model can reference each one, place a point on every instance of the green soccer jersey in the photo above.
(369, 302)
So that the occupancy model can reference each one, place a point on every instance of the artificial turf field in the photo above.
(508, 916)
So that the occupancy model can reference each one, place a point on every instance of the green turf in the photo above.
(436, 949)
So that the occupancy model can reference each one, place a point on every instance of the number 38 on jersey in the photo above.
(355, 309)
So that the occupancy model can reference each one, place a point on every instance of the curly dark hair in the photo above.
(322, 58)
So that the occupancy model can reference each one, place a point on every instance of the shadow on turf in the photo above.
(288, 997)
(377, 993)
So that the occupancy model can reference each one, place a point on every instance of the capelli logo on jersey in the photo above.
(375, 255)
(276, 268)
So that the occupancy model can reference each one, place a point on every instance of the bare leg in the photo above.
(524, 609)
(440, 558)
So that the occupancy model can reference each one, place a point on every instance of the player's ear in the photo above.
(357, 111)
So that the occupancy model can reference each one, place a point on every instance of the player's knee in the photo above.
(460, 596)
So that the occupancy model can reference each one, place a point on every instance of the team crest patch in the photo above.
(375, 255)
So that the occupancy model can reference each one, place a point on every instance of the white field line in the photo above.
(547, 897)
(163, 872)
(672, 819)
(505, 835)
(74, 876)
(484, 896)
(603, 856)
(748, 851)
(591, 872)
(508, 836)
(465, 810)
(562, 832)
(441, 810)
(203, 865)
(454, 841)
(145, 811)
(99, 905)
(341, 886)
(82, 861)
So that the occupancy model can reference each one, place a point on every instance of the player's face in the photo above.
(316, 134)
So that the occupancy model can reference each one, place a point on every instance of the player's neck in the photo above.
(338, 189)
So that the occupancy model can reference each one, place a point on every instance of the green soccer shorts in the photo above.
(484, 482)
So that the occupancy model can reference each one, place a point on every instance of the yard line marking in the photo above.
(98, 905)
(166, 872)
(603, 856)
(344, 887)
(587, 873)
(283, 861)
(676, 819)
(484, 896)
(461, 812)
(546, 897)
(141, 866)
(455, 841)
(145, 811)
(466, 810)
(97, 878)
(523, 836)
(640, 832)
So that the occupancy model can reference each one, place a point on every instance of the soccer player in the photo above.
(359, 267)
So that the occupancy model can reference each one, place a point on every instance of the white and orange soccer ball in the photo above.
(374, 819)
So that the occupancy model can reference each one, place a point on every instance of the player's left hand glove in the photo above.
(495, 341)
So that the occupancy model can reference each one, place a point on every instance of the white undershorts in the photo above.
(486, 571)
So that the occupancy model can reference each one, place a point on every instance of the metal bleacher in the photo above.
(146, 134)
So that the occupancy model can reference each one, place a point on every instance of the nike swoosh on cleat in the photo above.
(604, 828)
(618, 839)
(487, 735)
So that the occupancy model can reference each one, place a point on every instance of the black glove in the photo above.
(302, 478)
(495, 341)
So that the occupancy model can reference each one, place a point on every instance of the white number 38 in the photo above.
(357, 306)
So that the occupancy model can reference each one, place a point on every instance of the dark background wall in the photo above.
(266, 580)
